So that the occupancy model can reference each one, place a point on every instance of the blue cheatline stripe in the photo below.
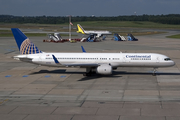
(8, 75)
(47, 76)
(62, 76)
(25, 75)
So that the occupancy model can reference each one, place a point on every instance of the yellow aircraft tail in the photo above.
(80, 29)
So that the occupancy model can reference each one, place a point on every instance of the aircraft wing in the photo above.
(83, 50)
(83, 65)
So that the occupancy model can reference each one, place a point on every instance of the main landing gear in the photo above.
(89, 72)
(154, 72)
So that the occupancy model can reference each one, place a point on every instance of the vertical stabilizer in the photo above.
(80, 29)
(24, 44)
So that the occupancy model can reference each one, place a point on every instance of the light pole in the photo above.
(70, 28)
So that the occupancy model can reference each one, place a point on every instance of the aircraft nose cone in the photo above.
(172, 63)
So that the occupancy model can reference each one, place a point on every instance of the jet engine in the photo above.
(104, 69)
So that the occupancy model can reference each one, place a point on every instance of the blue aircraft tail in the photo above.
(24, 44)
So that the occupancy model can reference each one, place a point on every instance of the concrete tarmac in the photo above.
(32, 92)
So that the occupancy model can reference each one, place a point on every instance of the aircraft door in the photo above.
(157, 59)
(40, 58)
(37, 59)
(124, 59)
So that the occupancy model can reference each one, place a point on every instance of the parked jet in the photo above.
(97, 33)
(101, 63)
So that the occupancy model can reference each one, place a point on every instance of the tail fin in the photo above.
(24, 44)
(80, 29)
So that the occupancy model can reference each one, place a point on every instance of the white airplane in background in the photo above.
(101, 63)
(97, 33)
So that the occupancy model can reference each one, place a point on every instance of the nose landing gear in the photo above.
(154, 72)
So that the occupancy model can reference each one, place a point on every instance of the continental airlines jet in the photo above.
(101, 63)
(97, 33)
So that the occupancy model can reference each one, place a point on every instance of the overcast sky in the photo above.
(88, 7)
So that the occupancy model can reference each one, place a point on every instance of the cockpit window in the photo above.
(167, 59)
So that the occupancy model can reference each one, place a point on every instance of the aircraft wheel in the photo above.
(84, 74)
(154, 74)
(87, 74)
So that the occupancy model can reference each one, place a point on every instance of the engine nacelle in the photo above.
(104, 69)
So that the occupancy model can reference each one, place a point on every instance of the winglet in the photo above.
(83, 50)
(55, 60)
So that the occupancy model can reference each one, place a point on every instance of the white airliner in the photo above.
(101, 63)
(97, 33)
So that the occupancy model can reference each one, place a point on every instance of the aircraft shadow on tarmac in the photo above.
(121, 73)
(96, 76)
(144, 73)
(62, 71)
(59, 71)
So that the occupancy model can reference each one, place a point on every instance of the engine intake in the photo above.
(104, 69)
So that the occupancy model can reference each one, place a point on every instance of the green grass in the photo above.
(129, 24)
(174, 36)
(8, 33)
(113, 26)
(105, 24)
(35, 34)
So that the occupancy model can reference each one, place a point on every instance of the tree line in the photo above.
(173, 19)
